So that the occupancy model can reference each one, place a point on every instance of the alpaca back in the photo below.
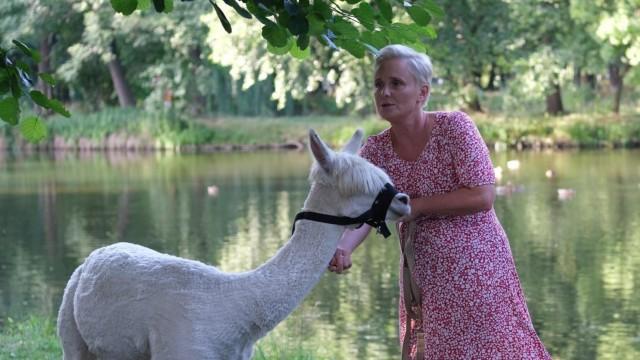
(136, 299)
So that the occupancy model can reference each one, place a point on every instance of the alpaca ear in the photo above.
(320, 151)
(354, 144)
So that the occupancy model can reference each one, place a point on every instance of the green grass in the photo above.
(570, 130)
(169, 131)
(35, 338)
(32, 338)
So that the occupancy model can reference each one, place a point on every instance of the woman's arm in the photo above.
(463, 201)
(350, 240)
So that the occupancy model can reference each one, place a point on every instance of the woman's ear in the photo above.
(424, 93)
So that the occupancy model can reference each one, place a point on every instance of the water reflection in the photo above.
(578, 257)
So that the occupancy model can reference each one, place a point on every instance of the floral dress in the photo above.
(472, 303)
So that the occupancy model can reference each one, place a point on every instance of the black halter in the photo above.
(375, 216)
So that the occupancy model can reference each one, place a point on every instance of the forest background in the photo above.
(535, 73)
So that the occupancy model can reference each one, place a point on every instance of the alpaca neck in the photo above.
(286, 279)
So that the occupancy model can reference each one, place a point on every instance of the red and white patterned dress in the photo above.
(472, 303)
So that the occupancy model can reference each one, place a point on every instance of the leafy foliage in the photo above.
(16, 82)
(356, 26)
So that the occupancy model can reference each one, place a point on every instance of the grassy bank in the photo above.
(35, 338)
(32, 338)
(137, 129)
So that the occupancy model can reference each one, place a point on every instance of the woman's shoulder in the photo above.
(453, 117)
(375, 144)
(379, 137)
(455, 122)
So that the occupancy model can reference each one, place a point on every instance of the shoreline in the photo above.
(144, 144)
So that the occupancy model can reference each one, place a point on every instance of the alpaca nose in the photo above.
(403, 198)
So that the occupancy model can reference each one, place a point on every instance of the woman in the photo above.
(472, 303)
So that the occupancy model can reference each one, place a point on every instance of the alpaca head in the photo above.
(349, 183)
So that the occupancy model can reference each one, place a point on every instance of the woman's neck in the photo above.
(410, 137)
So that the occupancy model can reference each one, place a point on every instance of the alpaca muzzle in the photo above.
(375, 216)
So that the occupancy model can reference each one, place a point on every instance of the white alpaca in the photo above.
(130, 302)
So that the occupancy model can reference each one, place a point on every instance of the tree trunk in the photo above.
(554, 101)
(492, 77)
(125, 96)
(199, 103)
(44, 66)
(591, 80)
(616, 79)
(474, 104)
(577, 77)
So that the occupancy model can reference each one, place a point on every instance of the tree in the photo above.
(17, 80)
(546, 37)
(356, 26)
(288, 26)
(472, 47)
(617, 27)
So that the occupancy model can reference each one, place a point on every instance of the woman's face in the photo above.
(397, 94)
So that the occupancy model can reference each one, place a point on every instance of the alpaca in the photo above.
(129, 302)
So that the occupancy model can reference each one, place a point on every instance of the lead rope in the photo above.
(411, 293)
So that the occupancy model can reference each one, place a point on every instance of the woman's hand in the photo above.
(341, 261)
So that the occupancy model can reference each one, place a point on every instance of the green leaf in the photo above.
(158, 5)
(418, 46)
(376, 38)
(22, 66)
(385, 9)
(258, 12)
(355, 48)
(298, 53)
(223, 19)
(239, 9)
(298, 25)
(303, 42)
(48, 78)
(10, 110)
(427, 31)
(382, 20)
(365, 14)
(40, 99)
(321, 8)
(344, 28)
(430, 31)
(14, 82)
(419, 15)
(279, 50)
(168, 6)
(374, 51)
(283, 18)
(126, 7)
(35, 55)
(431, 7)
(316, 25)
(291, 7)
(57, 106)
(144, 4)
(33, 129)
(275, 35)
(352, 2)
(5, 82)
(402, 33)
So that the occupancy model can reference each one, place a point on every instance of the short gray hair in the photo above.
(419, 64)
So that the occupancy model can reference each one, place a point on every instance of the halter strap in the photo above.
(375, 216)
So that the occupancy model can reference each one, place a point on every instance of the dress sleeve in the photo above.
(470, 154)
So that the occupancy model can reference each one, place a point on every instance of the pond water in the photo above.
(578, 256)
